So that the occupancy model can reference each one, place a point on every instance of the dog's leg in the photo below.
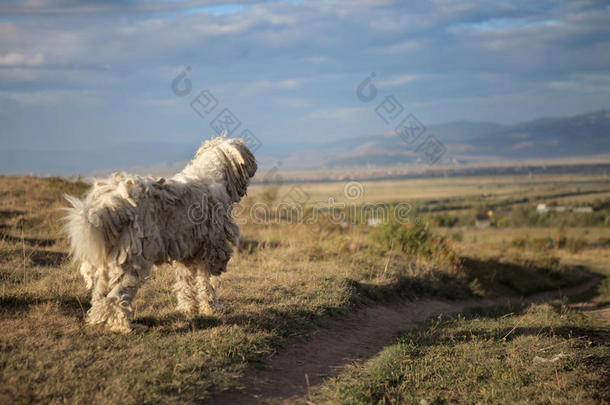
(185, 288)
(206, 291)
(123, 290)
(112, 297)
(88, 273)
(215, 282)
(98, 313)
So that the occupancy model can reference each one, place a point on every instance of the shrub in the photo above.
(604, 289)
(519, 242)
(603, 242)
(457, 236)
(417, 240)
(542, 243)
(575, 245)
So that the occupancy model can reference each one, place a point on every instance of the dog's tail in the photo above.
(86, 240)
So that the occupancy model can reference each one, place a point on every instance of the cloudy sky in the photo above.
(87, 73)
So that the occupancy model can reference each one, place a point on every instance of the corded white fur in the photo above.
(126, 224)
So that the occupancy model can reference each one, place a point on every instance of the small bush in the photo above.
(547, 262)
(542, 243)
(575, 245)
(604, 289)
(457, 236)
(519, 242)
(417, 240)
(603, 242)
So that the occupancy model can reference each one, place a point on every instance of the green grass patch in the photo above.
(537, 354)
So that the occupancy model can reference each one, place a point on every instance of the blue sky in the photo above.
(87, 73)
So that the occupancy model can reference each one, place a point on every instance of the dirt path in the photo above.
(291, 375)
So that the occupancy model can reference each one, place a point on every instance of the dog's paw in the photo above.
(120, 328)
(211, 309)
(126, 329)
(186, 309)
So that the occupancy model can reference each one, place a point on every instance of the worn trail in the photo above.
(291, 375)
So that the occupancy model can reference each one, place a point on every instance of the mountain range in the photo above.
(465, 142)
(475, 142)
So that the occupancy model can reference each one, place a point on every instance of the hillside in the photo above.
(466, 142)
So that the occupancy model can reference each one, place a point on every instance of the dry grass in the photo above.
(418, 190)
(285, 281)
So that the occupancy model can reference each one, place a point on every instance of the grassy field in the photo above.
(581, 187)
(531, 354)
(285, 281)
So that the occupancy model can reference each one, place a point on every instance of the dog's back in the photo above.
(104, 226)
(150, 220)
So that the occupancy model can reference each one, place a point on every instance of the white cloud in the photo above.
(6, 28)
(342, 114)
(579, 86)
(295, 102)
(285, 84)
(583, 83)
(408, 46)
(20, 59)
(167, 104)
(316, 59)
(398, 81)
(16, 75)
(234, 27)
(44, 98)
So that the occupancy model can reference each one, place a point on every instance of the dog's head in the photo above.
(234, 160)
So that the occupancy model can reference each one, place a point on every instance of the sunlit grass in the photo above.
(535, 354)
(285, 281)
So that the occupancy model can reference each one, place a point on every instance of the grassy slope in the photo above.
(288, 280)
(538, 354)
(488, 356)
(596, 259)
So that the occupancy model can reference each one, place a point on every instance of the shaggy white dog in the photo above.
(126, 224)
